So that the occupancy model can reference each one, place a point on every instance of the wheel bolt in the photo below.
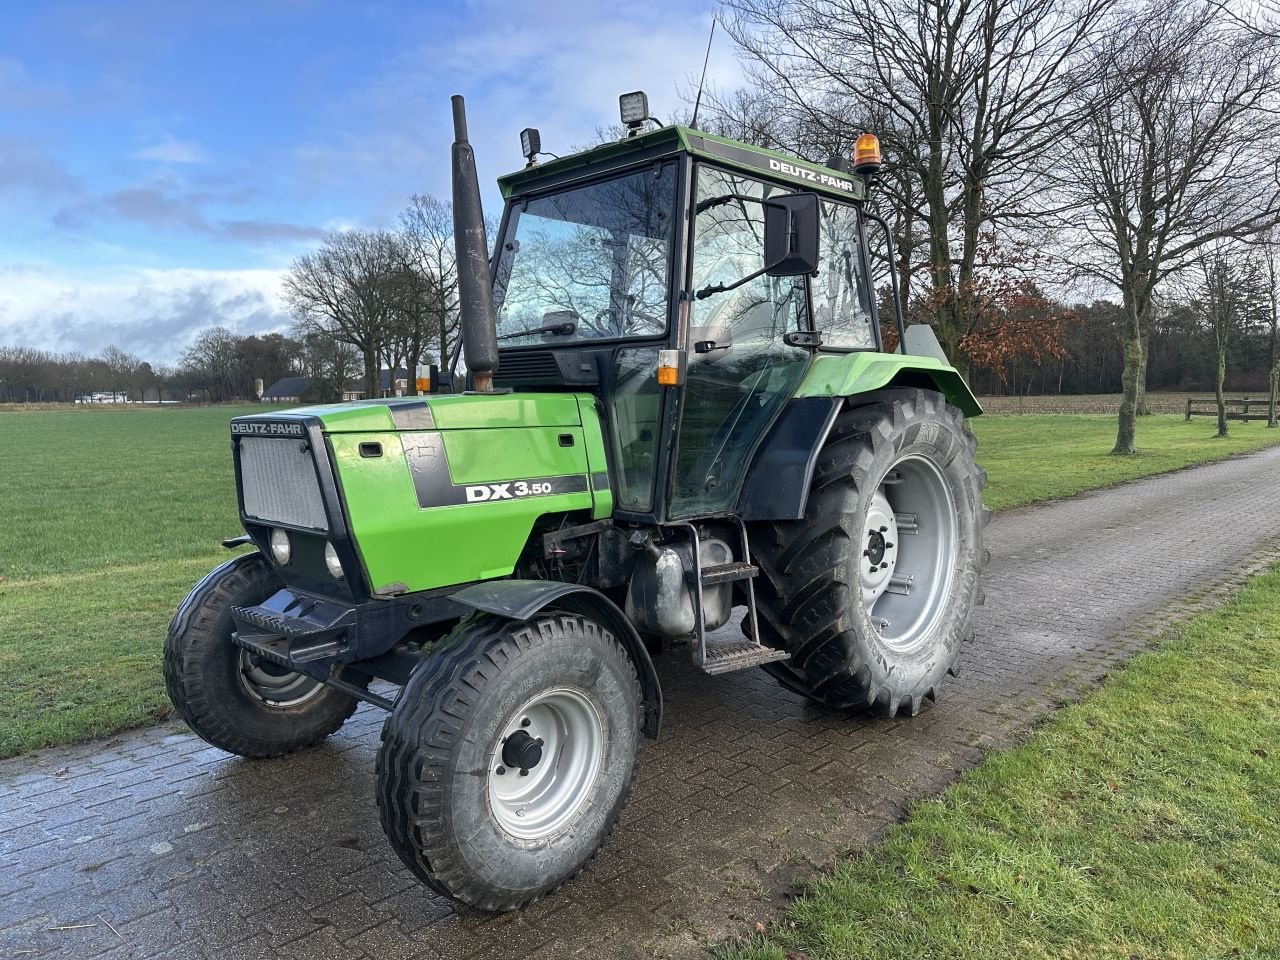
(500, 771)
(884, 566)
(524, 773)
(888, 545)
(884, 529)
(525, 722)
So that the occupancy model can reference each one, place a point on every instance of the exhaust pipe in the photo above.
(475, 290)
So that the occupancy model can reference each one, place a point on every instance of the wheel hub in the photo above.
(522, 751)
(880, 549)
(909, 552)
(546, 763)
(274, 685)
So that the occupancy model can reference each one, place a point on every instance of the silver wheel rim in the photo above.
(536, 801)
(275, 686)
(908, 554)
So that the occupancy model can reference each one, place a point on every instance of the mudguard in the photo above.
(777, 483)
(521, 599)
(849, 374)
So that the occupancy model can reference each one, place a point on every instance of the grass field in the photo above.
(1143, 823)
(109, 516)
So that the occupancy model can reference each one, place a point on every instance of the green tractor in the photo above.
(676, 405)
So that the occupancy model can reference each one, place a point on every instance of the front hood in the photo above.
(464, 411)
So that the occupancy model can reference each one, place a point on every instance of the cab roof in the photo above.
(671, 140)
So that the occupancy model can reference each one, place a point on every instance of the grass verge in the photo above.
(109, 516)
(1143, 822)
(1035, 458)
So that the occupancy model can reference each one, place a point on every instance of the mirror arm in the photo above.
(710, 202)
(721, 288)
(893, 279)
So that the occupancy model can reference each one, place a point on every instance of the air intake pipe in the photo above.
(475, 290)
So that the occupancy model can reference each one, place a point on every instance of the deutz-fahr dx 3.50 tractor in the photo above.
(676, 405)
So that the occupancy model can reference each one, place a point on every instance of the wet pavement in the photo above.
(153, 844)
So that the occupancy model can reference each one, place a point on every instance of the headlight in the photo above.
(281, 548)
(332, 562)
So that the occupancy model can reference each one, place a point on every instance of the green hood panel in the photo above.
(442, 490)
(849, 374)
(463, 411)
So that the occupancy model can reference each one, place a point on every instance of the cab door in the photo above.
(740, 369)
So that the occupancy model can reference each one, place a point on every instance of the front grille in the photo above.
(280, 483)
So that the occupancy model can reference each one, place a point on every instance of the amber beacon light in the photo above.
(866, 154)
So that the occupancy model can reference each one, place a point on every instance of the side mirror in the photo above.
(791, 235)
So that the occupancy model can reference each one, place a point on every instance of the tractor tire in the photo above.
(226, 695)
(872, 592)
(508, 757)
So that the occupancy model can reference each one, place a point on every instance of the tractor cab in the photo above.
(688, 282)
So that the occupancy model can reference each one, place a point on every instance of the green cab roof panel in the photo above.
(705, 146)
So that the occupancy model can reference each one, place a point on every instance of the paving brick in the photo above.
(191, 853)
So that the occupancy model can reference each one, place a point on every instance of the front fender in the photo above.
(521, 599)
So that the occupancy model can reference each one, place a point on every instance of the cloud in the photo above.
(26, 167)
(561, 73)
(160, 206)
(169, 149)
(19, 92)
(152, 313)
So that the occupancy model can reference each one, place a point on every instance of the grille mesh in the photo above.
(280, 483)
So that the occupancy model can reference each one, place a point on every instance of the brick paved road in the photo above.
(154, 845)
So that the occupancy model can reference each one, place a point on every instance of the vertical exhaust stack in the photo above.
(475, 290)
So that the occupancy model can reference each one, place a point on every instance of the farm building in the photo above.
(397, 387)
(287, 390)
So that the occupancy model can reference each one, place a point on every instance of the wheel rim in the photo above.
(563, 734)
(274, 685)
(908, 555)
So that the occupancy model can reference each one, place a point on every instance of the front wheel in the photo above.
(508, 757)
(229, 697)
(873, 591)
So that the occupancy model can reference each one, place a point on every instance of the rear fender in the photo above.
(777, 483)
(521, 599)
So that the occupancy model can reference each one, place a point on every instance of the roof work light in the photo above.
(634, 108)
(530, 144)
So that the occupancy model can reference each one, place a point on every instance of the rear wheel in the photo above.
(508, 757)
(873, 591)
(229, 697)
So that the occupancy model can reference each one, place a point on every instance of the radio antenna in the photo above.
(705, 60)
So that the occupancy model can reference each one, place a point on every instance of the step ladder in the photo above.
(721, 655)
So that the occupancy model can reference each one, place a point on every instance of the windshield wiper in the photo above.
(559, 329)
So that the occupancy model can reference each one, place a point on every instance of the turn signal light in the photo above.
(866, 154)
(668, 368)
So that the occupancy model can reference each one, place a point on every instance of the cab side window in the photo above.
(841, 294)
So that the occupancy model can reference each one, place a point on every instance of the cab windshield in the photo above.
(592, 263)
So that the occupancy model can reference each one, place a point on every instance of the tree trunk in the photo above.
(1142, 407)
(1218, 382)
(372, 375)
(1134, 369)
(1275, 378)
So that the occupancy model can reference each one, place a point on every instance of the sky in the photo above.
(163, 162)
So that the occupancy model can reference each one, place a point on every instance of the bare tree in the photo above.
(431, 285)
(1232, 299)
(1271, 280)
(343, 291)
(1177, 150)
(969, 95)
(211, 363)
